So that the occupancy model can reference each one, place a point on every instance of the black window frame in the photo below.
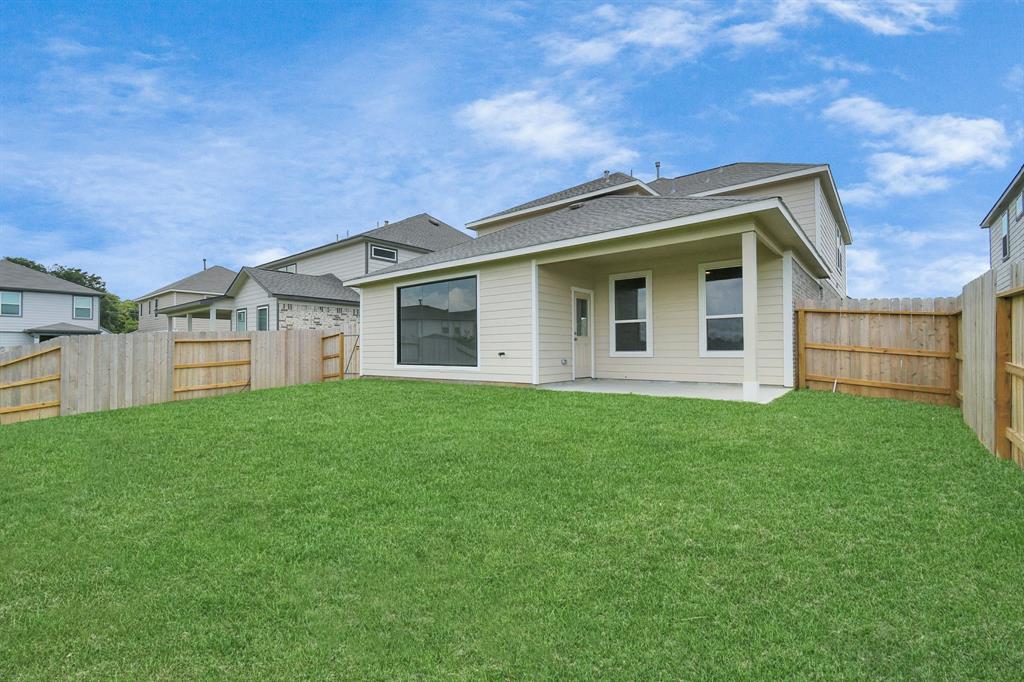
(385, 248)
(476, 323)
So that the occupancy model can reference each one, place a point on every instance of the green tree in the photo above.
(116, 315)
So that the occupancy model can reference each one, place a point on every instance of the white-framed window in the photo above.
(10, 303)
(839, 250)
(630, 309)
(240, 316)
(720, 290)
(1019, 204)
(383, 253)
(263, 318)
(291, 267)
(1004, 234)
(82, 307)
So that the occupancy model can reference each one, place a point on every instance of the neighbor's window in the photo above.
(437, 323)
(721, 309)
(1004, 232)
(240, 320)
(631, 314)
(1020, 204)
(10, 303)
(839, 250)
(291, 267)
(263, 318)
(83, 308)
(383, 253)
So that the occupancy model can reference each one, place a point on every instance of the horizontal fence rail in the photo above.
(77, 374)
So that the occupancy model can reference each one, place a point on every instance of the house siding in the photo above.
(504, 305)
(1004, 268)
(250, 297)
(349, 261)
(150, 321)
(555, 312)
(39, 309)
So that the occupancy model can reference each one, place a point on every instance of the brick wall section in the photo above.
(296, 315)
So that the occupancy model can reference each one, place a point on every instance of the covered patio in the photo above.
(216, 309)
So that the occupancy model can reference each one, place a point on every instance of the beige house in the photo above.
(691, 279)
(210, 281)
(1005, 224)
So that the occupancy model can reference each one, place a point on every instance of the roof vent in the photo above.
(433, 222)
(606, 174)
(578, 204)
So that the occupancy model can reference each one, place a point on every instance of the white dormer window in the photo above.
(383, 253)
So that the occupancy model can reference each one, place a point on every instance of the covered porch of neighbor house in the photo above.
(215, 311)
(691, 316)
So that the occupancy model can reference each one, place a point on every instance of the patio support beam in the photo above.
(750, 384)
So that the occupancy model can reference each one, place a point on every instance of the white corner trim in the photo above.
(534, 318)
(787, 319)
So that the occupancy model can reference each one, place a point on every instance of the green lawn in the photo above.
(394, 530)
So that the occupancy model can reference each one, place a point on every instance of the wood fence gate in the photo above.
(881, 348)
(208, 367)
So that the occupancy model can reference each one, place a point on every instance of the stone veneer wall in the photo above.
(303, 315)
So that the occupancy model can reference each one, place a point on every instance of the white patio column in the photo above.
(170, 323)
(750, 384)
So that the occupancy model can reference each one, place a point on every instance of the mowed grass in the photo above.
(395, 530)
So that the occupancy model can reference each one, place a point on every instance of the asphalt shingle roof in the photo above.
(14, 276)
(63, 328)
(601, 214)
(612, 180)
(288, 284)
(213, 280)
(723, 176)
(423, 231)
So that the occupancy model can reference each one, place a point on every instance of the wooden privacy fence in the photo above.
(890, 348)
(1009, 375)
(76, 374)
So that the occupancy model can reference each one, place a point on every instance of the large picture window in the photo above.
(721, 309)
(437, 323)
(630, 299)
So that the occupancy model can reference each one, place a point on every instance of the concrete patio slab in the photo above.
(672, 389)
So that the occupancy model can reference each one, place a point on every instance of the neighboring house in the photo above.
(687, 279)
(304, 290)
(211, 281)
(1005, 223)
(36, 306)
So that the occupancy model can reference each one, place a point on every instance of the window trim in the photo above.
(396, 297)
(258, 309)
(294, 265)
(648, 276)
(245, 317)
(702, 305)
(21, 302)
(74, 308)
(1004, 235)
(384, 259)
(839, 250)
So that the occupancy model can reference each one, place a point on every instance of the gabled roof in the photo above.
(213, 280)
(1015, 187)
(422, 232)
(62, 328)
(290, 285)
(609, 183)
(724, 176)
(14, 276)
(581, 219)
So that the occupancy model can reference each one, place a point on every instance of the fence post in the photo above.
(801, 345)
(954, 362)
(1002, 393)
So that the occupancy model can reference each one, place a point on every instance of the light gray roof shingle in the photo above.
(62, 328)
(612, 180)
(723, 176)
(14, 276)
(213, 280)
(422, 231)
(601, 214)
(291, 285)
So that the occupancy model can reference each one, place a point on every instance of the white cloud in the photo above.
(891, 17)
(540, 125)
(840, 63)
(64, 48)
(916, 153)
(801, 95)
(1014, 80)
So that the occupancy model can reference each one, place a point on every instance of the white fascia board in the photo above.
(561, 202)
(720, 214)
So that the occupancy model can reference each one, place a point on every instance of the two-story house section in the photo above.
(1005, 224)
(36, 306)
(381, 247)
(210, 281)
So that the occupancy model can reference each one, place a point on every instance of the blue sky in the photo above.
(137, 139)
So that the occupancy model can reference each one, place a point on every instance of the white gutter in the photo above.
(709, 216)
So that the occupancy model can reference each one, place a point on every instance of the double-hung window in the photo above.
(240, 316)
(263, 318)
(82, 308)
(437, 323)
(720, 288)
(631, 332)
(1004, 234)
(10, 303)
